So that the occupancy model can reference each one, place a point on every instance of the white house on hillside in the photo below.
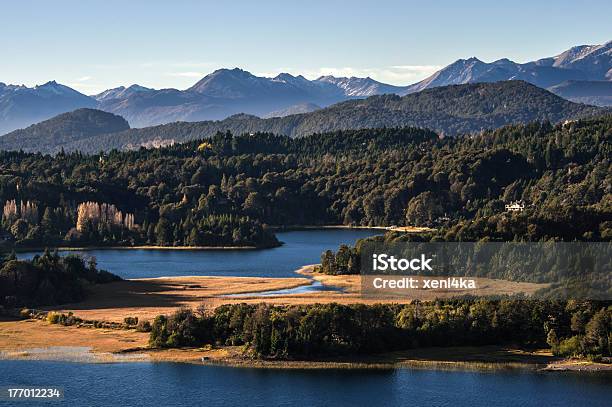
(516, 206)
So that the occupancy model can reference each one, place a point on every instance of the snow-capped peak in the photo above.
(56, 88)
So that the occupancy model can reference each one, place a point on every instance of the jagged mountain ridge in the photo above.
(582, 64)
(226, 92)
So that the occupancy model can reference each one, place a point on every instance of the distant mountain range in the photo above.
(226, 92)
(449, 110)
(583, 63)
(581, 74)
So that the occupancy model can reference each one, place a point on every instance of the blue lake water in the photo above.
(315, 286)
(301, 247)
(170, 384)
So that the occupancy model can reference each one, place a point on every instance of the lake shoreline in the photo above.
(485, 359)
(288, 228)
(404, 229)
(275, 228)
(146, 247)
(460, 365)
(143, 247)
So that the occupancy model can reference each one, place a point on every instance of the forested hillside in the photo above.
(50, 136)
(223, 191)
(449, 110)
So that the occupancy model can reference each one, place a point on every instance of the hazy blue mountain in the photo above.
(583, 63)
(150, 107)
(598, 93)
(51, 135)
(244, 92)
(450, 110)
(580, 65)
(120, 93)
(238, 84)
(21, 106)
(227, 92)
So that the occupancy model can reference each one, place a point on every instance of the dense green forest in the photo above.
(570, 328)
(225, 190)
(449, 110)
(47, 279)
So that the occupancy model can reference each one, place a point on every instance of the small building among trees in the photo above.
(517, 206)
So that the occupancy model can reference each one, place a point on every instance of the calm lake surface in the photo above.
(170, 384)
(300, 248)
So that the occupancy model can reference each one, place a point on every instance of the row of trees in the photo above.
(571, 328)
(211, 230)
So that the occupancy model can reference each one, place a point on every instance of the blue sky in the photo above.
(95, 45)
